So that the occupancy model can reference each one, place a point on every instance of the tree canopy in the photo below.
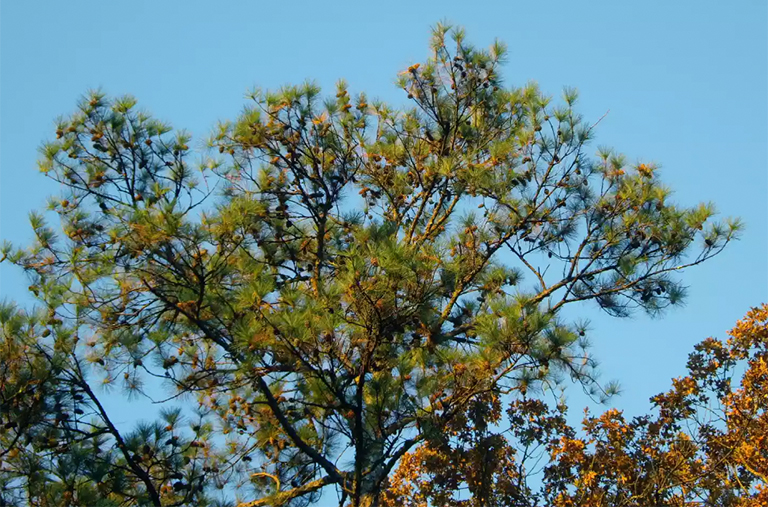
(704, 443)
(338, 295)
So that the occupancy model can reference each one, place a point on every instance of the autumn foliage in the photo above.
(705, 443)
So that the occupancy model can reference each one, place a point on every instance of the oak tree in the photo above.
(705, 443)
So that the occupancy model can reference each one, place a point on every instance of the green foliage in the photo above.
(352, 279)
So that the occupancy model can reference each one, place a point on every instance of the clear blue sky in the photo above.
(685, 82)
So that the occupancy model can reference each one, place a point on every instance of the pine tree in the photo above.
(338, 285)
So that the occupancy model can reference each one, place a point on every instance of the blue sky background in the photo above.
(685, 82)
